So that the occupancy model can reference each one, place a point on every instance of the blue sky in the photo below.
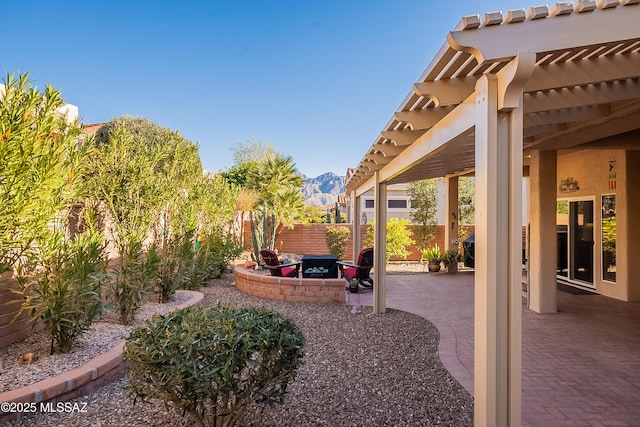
(317, 80)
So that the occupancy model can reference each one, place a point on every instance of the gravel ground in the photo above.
(359, 369)
(102, 336)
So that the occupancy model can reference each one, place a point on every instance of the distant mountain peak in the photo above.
(323, 190)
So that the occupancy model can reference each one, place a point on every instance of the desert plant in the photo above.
(63, 291)
(212, 256)
(432, 254)
(123, 175)
(450, 259)
(178, 257)
(37, 151)
(212, 363)
(263, 234)
(134, 278)
(337, 237)
(398, 237)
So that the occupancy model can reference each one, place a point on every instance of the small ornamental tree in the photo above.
(213, 363)
(337, 237)
(424, 207)
(398, 237)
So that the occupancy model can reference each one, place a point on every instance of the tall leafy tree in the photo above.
(253, 151)
(466, 206)
(424, 207)
(124, 175)
(38, 151)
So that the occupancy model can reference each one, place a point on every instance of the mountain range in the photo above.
(323, 190)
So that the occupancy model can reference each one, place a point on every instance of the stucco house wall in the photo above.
(608, 172)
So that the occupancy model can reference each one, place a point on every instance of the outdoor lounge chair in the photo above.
(360, 270)
(271, 261)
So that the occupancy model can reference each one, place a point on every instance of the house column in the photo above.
(543, 249)
(380, 247)
(498, 253)
(451, 213)
(356, 238)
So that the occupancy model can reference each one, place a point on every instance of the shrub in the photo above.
(451, 258)
(337, 237)
(432, 254)
(38, 173)
(398, 237)
(134, 278)
(212, 363)
(64, 290)
(178, 258)
(212, 256)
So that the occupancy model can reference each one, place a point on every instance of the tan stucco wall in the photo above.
(590, 168)
(628, 225)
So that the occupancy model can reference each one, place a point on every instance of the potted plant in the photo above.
(451, 258)
(432, 256)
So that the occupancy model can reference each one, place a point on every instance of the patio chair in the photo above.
(360, 270)
(271, 261)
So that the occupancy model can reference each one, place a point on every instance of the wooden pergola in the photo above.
(505, 92)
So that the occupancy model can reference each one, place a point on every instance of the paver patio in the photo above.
(581, 366)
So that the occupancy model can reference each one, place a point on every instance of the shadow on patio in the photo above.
(581, 366)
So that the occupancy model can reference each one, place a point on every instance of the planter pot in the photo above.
(452, 268)
(434, 268)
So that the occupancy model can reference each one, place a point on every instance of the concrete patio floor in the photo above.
(581, 366)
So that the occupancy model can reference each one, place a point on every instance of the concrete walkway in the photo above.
(581, 366)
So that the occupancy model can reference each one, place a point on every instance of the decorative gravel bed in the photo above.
(102, 336)
(359, 369)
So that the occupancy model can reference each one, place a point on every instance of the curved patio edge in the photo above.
(79, 381)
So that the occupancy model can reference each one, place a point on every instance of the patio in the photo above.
(581, 366)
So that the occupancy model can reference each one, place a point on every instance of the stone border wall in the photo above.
(79, 381)
(262, 284)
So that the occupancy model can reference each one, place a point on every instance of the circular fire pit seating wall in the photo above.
(79, 381)
(262, 284)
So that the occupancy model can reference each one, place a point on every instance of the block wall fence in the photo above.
(310, 239)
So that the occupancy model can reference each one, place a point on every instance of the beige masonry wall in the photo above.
(591, 170)
(628, 241)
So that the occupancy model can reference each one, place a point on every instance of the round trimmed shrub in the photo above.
(213, 363)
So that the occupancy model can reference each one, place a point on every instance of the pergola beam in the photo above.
(403, 137)
(424, 118)
(447, 91)
(582, 73)
(458, 122)
(540, 35)
(602, 93)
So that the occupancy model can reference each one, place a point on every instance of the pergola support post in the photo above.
(498, 249)
(356, 237)
(380, 245)
(543, 236)
(451, 212)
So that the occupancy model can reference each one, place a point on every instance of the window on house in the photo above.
(609, 238)
(368, 203)
(397, 204)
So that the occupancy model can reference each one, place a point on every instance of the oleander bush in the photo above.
(212, 363)
(62, 289)
(337, 237)
(38, 154)
(212, 257)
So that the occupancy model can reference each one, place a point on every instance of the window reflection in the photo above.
(609, 238)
